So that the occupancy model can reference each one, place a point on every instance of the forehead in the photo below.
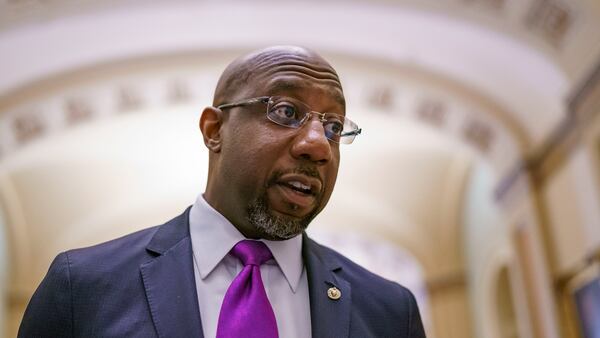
(304, 88)
(304, 79)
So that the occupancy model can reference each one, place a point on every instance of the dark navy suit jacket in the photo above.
(142, 285)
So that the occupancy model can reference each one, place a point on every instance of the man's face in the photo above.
(277, 179)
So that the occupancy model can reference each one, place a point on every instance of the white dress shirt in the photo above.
(213, 236)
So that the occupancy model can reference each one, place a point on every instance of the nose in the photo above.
(310, 143)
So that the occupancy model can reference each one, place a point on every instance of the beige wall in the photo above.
(572, 204)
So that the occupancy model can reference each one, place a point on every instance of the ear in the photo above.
(211, 121)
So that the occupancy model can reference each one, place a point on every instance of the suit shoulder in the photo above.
(377, 297)
(358, 275)
(129, 244)
(124, 255)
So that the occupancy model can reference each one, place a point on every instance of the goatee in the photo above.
(277, 227)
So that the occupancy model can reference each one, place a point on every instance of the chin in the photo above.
(273, 225)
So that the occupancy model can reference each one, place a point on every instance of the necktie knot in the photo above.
(251, 252)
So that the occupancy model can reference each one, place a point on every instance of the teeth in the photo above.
(299, 185)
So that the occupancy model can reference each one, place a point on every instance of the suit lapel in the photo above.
(329, 317)
(169, 281)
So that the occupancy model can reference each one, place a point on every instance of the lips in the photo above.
(300, 183)
(295, 194)
(300, 187)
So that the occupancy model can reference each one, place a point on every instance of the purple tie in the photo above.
(246, 311)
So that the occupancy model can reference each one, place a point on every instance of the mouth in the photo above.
(300, 183)
(296, 193)
(298, 187)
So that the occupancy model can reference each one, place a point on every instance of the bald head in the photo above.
(243, 73)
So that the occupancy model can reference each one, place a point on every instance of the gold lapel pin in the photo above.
(334, 293)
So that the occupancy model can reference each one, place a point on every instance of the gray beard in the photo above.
(275, 227)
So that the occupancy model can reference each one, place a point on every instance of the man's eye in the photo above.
(334, 127)
(285, 111)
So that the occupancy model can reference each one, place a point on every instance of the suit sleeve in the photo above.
(415, 325)
(49, 313)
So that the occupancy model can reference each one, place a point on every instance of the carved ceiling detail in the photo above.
(552, 19)
(39, 118)
(432, 112)
(549, 20)
(77, 110)
(478, 134)
(28, 126)
(381, 98)
(35, 118)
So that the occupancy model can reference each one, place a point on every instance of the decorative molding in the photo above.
(28, 126)
(77, 110)
(471, 125)
(543, 162)
(551, 19)
(433, 112)
(479, 134)
(382, 97)
(591, 259)
(583, 109)
(579, 101)
(81, 101)
(129, 99)
(553, 153)
(178, 92)
(15, 12)
(495, 5)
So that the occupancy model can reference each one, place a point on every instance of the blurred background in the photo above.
(476, 181)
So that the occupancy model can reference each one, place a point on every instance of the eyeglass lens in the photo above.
(292, 113)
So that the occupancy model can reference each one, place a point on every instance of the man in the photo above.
(273, 135)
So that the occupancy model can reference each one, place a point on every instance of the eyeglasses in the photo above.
(292, 113)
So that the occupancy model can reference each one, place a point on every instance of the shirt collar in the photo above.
(213, 236)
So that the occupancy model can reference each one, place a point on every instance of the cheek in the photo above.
(249, 155)
(331, 179)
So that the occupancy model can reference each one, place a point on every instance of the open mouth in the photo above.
(299, 187)
(300, 183)
(295, 193)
